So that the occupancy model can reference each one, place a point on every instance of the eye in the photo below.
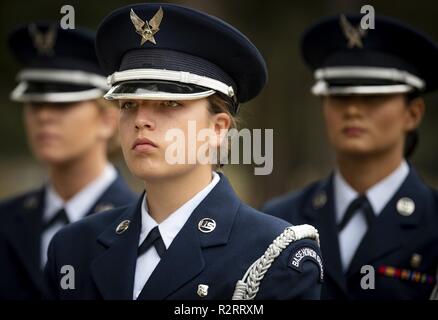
(171, 104)
(128, 105)
(374, 99)
(339, 99)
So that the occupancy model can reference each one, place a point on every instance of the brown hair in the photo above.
(219, 104)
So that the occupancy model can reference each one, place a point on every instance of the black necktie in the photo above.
(60, 216)
(153, 238)
(360, 203)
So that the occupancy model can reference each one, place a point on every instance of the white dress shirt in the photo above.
(378, 195)
(169, 228)
(76, 208)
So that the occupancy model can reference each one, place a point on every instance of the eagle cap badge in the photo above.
(147, 29)
(353, 34)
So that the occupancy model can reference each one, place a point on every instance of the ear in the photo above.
(220, 123)
(415, 113)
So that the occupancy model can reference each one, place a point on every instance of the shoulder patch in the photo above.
(299, 256)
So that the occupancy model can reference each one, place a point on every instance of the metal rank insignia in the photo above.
(202, 290)
(406, 275)
(353, 34)
(103, 207)
(31, 203)
(146, 29)
(207, 225)
(319, 200)
(123, 226)
(405, 206)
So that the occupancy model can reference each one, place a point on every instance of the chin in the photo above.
(51, 159)
(146, 170)
(354, 150)
(150, 171)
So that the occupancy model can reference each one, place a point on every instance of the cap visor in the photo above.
(157, 90)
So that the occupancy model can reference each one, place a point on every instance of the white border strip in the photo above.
(371, 73)
(64, 76)
(18, 95)
(321, 88)
(158, 95)
(169, 75)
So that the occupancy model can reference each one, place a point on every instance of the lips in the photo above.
(143, 144)
(46, 136)
(353, 131)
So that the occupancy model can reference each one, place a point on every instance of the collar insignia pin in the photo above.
(206, 225)
(405, 206)
(123, 226)
(319, 200)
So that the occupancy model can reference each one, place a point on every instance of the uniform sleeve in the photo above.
(296, 274)
(51, 280)
(9, 273)
(272, 207)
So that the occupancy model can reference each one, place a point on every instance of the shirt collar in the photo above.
(378, 195)
(78, 206)
(170, 227)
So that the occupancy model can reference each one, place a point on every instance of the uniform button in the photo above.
(202, 290)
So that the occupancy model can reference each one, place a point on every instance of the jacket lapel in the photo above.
(26, 242)
(184, 258)
(117, 194)
(320, 211)
(388, 230)
(113, 271)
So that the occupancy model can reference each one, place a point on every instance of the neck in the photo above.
(70, 177)
(165, 196)
(362, 172)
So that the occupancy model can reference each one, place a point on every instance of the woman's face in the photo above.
(143, 127)
(366, 125)
(60, 133)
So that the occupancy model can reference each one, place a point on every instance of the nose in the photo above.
(145, 117)
(352, 107)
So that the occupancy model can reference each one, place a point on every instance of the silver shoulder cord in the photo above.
(248, 286)
(434, 295)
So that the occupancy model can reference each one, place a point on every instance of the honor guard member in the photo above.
(377, 219)
(68, 125)
(189, 236)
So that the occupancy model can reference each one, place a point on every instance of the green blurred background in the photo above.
(301, 153)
